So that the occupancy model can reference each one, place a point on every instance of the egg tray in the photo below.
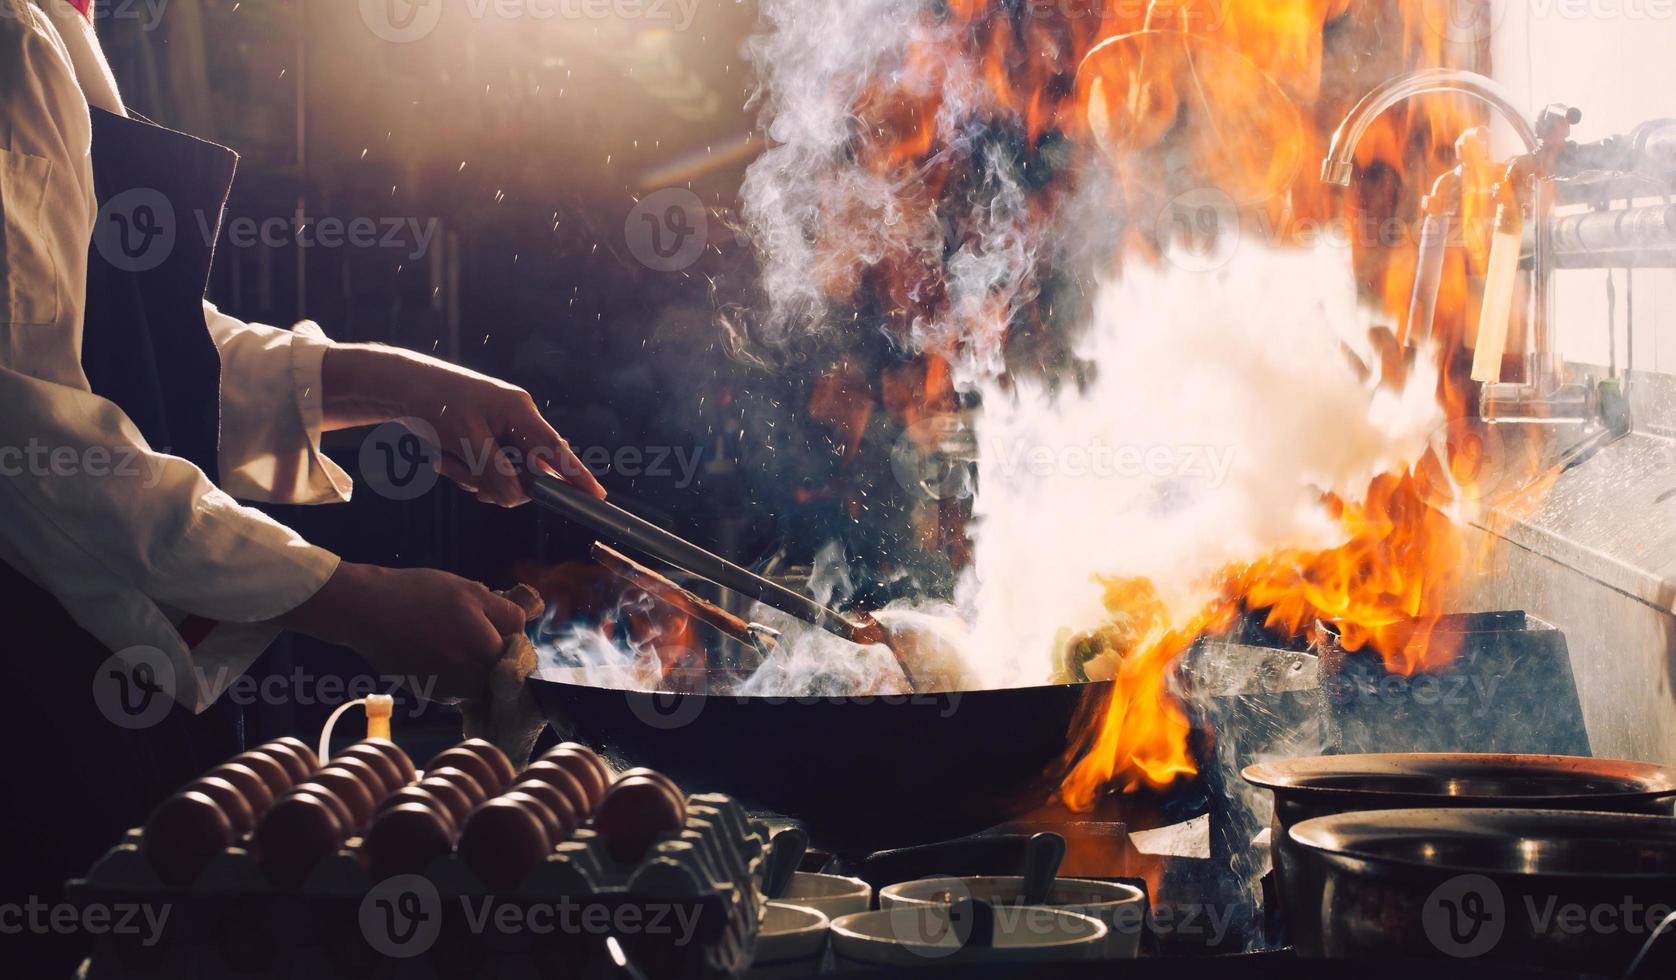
(689, 909)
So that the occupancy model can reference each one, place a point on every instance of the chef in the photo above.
(133, 417)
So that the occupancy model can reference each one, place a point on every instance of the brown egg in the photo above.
(275, 775)
(497, 760)
(471, 763)
(502, 841)
(453, 799)
(389, 773)
(549, 820)
(371, 779)
(416, 795)
(584, 768)
(555, 802)
(580, 771)
(635, 813)
(297, 833)
(462, 780)
(393, 752)
(295, 765)
(301, 748)
(592, 757)
(348, 787)
(229, 799)
(339, 808)
(405, 839)
(250, 785)
(668, 784)
(183, 834)
(558, 777)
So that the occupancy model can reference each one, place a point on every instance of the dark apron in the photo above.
(75, 780)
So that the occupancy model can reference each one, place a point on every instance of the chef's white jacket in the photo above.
(132, 552)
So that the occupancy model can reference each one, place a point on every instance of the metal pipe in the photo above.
(1543, 139)
(1340, 165)
(1642, 237)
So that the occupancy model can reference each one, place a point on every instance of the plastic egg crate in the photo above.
(689, 908)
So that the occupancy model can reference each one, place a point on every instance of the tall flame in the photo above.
(1173, 96)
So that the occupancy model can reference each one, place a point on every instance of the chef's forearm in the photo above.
(353, 390)
(368, 384)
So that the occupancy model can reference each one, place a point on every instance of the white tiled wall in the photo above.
(1616, 61)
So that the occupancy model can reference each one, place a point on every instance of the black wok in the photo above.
(860, 773)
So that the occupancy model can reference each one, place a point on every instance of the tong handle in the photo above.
(616, 524)
(661, 588)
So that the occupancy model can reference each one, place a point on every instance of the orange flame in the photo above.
(1180, 95)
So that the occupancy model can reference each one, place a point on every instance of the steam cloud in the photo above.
(819, 220)
(1232, 398)
(1221, 404)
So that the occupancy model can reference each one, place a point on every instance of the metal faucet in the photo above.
(1544, 397)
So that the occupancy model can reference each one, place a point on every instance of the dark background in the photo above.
(561, 125)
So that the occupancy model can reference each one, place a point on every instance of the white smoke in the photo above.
(1223, 405)
(1220, 407)
(819, 220)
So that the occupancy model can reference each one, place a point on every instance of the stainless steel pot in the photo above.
(1323, 785)
(1551, 889)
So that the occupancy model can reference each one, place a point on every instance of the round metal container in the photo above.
(1324, 785)
(1551, 889)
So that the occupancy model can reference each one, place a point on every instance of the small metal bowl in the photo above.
(1552, 889)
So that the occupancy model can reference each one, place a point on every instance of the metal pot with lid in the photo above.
(1549, 889)
(1325, 785)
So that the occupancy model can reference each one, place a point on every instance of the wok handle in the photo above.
(610, 521)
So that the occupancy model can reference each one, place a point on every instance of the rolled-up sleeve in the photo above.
(271, 409)
(127, 538)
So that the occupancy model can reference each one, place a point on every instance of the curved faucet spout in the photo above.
(1340, 164)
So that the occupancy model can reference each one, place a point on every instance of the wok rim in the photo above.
(834, 699)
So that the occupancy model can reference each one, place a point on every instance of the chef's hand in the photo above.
(417, 623)
(490, 432)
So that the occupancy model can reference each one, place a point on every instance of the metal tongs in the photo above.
(621, 527)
